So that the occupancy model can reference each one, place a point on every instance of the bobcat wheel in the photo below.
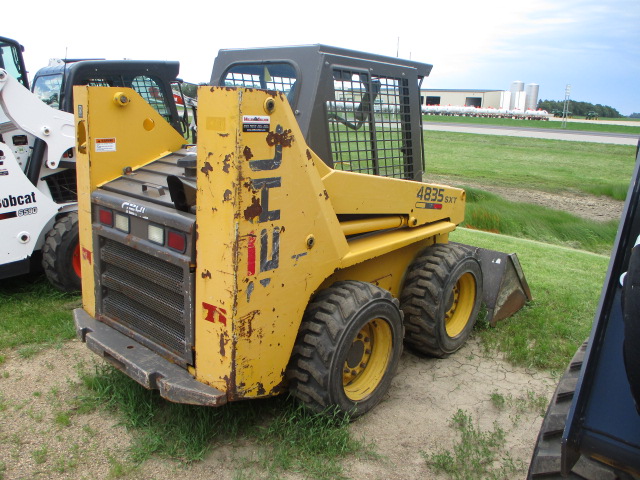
(441, 299)
(348, 348)
(61, 254)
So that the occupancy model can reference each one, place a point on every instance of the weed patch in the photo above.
(477, 454)
(291, 437)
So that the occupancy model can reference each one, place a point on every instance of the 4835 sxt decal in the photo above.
(433, 198)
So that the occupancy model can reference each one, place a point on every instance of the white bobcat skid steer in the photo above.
(37, 180)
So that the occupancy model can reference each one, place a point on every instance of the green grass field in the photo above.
(534, 164)
(552, 124)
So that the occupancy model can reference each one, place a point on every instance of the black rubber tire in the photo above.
(546, 459)
(631, 316)
(427, 295)
(60, 247)
(330, 332)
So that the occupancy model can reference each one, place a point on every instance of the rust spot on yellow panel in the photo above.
(206, 169)
(283, 138)
(253, 210)
(226, 163)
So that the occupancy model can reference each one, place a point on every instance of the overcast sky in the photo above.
(594, 45)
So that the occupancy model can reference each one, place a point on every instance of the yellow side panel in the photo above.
(267, 237)
(83, 176)
(387, 271)
(370, 194)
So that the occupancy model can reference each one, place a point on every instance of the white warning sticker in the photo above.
(105, 144)
(255, 123)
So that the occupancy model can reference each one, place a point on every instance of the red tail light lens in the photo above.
(105, 217)
(177, 241)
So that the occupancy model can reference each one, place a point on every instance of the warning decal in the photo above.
(105, 144)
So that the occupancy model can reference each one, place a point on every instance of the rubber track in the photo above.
(423, 286)
(50, 249)
(546, 460)
(323, 323)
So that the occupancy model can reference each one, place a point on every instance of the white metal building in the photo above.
(517, 98)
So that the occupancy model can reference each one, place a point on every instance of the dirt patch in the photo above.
(37, 440)
(590, 207)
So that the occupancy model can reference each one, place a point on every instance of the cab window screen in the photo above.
(273, 76)
(149, 89)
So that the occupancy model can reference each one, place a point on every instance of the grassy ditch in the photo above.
(489, 212)
(535, 164)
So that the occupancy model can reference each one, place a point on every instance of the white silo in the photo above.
(516, 90)
(531, 102)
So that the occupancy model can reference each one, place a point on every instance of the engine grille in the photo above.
(63, 185)
(147, 296)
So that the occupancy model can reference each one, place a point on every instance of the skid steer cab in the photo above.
(294, 248)
(38, 218)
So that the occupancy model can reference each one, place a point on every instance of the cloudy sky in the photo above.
(593, 45)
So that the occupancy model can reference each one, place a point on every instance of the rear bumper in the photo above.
(143, 365)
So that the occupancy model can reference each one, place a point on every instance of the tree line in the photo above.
(581, 109)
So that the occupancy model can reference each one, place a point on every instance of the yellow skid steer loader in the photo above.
(294, 248)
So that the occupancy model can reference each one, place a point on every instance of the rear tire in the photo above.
(61, 254)
(546, 459)
(348, 348)
(441, 299)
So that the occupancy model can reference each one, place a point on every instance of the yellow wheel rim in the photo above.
(462, 300)
(367, 360)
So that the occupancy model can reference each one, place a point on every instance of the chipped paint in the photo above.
(206, 274)
(226, 163)
(265, 184)
(247, 153)
(297, 257)
(280, 137)
(254, 210)
(227, 196)
(206, 169)
(250, 289)
(245, 324)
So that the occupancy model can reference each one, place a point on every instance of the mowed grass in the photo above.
(33, 313)
(551, 124)
(533, 164)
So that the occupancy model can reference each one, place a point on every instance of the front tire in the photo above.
(348, 348)
(441, 299)
(61, 254)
